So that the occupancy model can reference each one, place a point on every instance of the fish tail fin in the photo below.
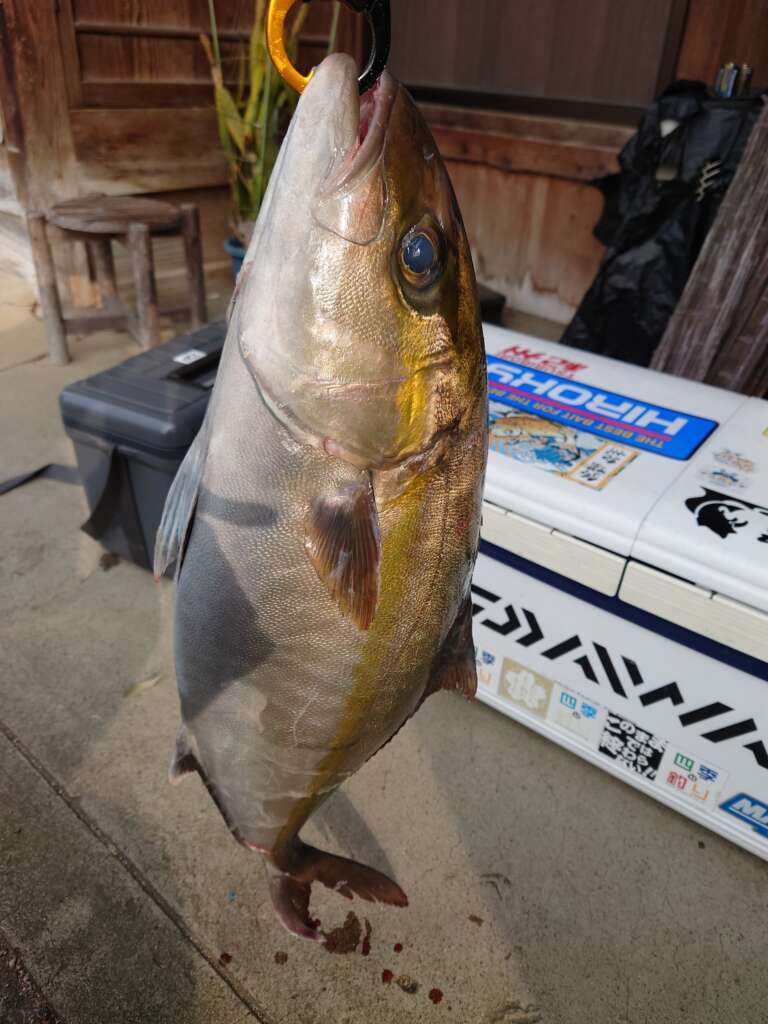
(291, 889)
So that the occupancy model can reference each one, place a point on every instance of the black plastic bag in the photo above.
(674, 173)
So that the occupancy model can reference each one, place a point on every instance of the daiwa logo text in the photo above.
(666, 431)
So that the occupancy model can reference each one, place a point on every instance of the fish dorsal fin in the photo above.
(344, 546)
(180, 504)
(456, 668)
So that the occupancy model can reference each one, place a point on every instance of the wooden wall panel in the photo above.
(531, 236)
(231, 14)
(105, 58)
(596, 51)
(49, 162)
(717, 31)
(114, 157)
(522, 186)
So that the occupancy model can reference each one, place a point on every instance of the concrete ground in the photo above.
(542, 890)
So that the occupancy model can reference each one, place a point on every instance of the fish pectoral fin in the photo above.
(179, 509)
(456, 668)
(183, 761)
(344, 545)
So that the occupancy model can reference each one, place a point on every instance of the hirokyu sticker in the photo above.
(749, 810)
(556, 447)
(524, 688)
(726, 516)
(576, 714)
(669, 432)
(488, 668)
(687, 775)
(634, 748)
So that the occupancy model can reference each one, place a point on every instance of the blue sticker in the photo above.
(653, 428)
(749, 810)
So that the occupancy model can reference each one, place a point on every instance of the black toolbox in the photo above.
(131, 426)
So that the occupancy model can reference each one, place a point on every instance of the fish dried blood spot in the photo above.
(398, 947)
(386, 977)
(345, 938)
(225, 958)
(436, 995)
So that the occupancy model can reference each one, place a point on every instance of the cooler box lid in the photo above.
(601, 470)
(155, 401)
(711, 524)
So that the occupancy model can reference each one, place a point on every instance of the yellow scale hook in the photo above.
(377, 15)
(276, 15)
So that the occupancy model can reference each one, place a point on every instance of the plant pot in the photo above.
(236, 253)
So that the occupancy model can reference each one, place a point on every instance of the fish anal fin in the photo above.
(183, 761)
(344, 546)
(456, 668)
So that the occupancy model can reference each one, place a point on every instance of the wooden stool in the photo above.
(98, 221)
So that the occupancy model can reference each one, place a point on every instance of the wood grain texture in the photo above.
(719, 331)
(230, 14)
(55, 331)
(531, 236)
(521, 185)
(146, 286)
(717, 31)
(12, 170)
(49, 164)
(113, 215)
(147, 150)
(193, 256)
(591, 50)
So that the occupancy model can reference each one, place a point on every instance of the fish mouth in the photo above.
(364, 147)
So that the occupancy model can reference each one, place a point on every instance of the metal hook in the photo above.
(377, 15)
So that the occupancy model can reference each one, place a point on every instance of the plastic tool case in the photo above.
(621, 593)
(131, 427)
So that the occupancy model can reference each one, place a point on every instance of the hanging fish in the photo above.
(326, 519)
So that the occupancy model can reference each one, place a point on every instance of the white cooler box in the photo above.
(621, 593)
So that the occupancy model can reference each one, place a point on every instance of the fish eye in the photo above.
(420, 256)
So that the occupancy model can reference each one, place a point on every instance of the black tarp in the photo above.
(674, 173)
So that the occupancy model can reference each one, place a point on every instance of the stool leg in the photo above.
(193, 252)
(104, 266)
(146, 287)
(49, 296)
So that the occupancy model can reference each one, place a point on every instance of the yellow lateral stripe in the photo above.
(394, 580)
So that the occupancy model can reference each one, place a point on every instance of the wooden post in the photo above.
(49, 296)
(146, 287)
(193, 252)
(104, 265)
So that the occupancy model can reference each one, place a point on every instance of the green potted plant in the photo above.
(252, 118)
